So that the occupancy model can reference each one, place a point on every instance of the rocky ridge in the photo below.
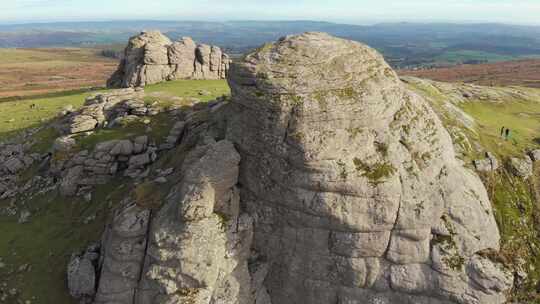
(151, 58)
(288, 192)
(315, 202)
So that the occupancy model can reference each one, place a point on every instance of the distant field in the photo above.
(26, 72)
(519, 72)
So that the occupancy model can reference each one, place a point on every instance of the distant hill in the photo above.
(403, 44)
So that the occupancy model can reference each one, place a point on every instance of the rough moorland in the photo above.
(322, 178)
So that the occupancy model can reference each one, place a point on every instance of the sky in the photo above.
(349, 11)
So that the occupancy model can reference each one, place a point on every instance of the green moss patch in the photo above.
(376, 173)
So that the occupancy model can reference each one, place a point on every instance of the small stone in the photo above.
(23, 268)
(166, 172)
(89, 219)
(161, 180)
(24, 217)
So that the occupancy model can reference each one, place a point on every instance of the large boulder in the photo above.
(353, 183)
(522, 167)
(151, 57)
(323, 180)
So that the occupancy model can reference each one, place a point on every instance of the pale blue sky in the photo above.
(351, 11)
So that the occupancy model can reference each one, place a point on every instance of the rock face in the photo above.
(353, 183)
(105, 109)
(324, 180)
(151, 58)
(522, 167)
(194, 250)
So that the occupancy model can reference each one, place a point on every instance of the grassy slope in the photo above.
(516, 207)
(56, 226)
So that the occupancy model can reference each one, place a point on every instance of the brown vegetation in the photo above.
(26, 72)
(519, 72)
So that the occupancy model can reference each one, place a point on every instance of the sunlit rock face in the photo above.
(151, 57)
(353, 184)
(323, 180)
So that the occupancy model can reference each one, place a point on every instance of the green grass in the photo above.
(190, 88)
(55, 231)
(521, 117)
(515, 204)
(18, 115)
(157, 130)
(56, 226)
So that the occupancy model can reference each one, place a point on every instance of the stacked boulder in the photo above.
(151, 58)
(107, 108)
(193, 250)
(86, 169)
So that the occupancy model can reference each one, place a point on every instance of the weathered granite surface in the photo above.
(324, 180)
(151, 57)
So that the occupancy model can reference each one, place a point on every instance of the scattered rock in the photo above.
(204, 93)
(161, 180)
(535, 155)
(24, 217)
(521, 167)
(490, 163)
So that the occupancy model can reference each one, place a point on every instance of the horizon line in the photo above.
(373, 23)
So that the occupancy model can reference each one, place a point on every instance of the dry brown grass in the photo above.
(25, 72)
(519, 72)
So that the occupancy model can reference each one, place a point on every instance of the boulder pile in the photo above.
(105, 109)
(89, 168)
(14, 158)
(151, 57)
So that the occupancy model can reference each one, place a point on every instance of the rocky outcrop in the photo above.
(14, 158)
(151, 58)
(193, 250)
(353, 182)
(80, 169)
(324, 180)
(106, 109)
